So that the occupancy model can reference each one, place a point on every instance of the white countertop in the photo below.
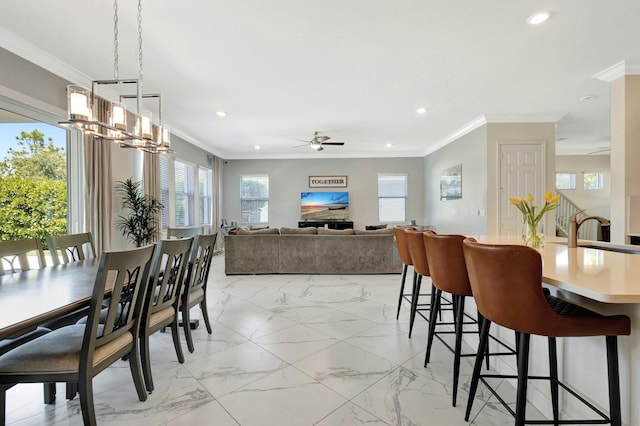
(600, 275)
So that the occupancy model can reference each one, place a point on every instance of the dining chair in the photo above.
(184, 232)
(66, 249)
(163, 299)
(79, 352)
(195, 291)
(18, 250)
(70, 248)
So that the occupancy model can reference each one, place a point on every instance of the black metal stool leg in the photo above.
(614, 381)
(553, 373)
(404, 277)
(473, 387)
(523, 374)
(433, 313)
(414, 301)
(459, 321)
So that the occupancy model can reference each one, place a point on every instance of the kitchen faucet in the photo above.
(574, 225)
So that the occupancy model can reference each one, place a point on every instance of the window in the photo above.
(254, 199)
(164, 190)
(593, 180)
(565, 181)
(392, 198)
(184, 198)
(205, 195)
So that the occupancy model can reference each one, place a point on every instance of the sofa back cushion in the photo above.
(309, 230)
(243, 231)
(327, 231)
(374, 232)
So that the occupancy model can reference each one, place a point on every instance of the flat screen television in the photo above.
(324, 205)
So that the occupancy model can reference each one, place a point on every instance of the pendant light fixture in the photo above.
(107, 120)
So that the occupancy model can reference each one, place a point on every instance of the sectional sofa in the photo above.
(311, 251)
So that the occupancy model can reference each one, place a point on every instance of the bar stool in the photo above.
(448, 274)
(405, 258)
(415, 244)
(506, 285)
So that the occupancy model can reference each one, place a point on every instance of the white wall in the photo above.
(288, 178)
(594, 202)
(458, 216)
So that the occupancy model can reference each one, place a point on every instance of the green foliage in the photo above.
(34, 158)
(33, 189)
(141, 225)
(32, 208)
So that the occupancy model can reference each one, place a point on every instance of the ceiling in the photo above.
(355, 70)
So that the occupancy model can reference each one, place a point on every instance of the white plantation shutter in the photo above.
(185, 200)
(392, 198)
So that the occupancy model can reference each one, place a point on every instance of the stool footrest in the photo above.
(603, 420)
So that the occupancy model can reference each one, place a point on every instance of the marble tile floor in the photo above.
(295, 350)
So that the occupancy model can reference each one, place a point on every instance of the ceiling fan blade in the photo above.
(302, 140)
(333, 143)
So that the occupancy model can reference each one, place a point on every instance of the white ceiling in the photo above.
(354, 69)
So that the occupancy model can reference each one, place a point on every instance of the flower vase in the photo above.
(533, 234)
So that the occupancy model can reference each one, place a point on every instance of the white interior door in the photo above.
(521, 172)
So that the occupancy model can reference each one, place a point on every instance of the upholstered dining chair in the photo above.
(163, 299)
(184, 232)
(70, 248)
(79, 352)
(14, 255)
(195, 291)
(14, 258)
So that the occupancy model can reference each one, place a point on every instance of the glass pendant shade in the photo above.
(118, 116)
(166, 137)
(145, 125)
(79, 107)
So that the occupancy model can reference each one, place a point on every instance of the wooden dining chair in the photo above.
(14, 255)
(79, 352)
(195, 290)
(70, 248)
(163, 299)
(184, 232)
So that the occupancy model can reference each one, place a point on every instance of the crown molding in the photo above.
(622, 68)
(472, 125)
(34, 54)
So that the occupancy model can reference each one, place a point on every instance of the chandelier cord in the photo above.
(116, 65)
(140, 40)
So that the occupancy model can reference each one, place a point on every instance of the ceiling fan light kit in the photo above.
(318, 141)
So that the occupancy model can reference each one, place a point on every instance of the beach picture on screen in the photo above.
(324, 205)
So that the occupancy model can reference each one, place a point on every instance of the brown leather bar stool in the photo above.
(448, 274)
(418, 255)
(405, 258)
(506, 285)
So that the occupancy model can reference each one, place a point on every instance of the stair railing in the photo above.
(566, 208)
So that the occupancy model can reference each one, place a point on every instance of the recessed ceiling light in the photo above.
(421, 110)
(538, 17)
(221, 114)
(589, 98)
(389, 145)
(257, 147)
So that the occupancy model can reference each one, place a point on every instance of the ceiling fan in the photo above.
(318, 141)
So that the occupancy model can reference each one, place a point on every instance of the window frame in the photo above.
(242, 198)
(599, 181)
(404, 198)
(572, 180)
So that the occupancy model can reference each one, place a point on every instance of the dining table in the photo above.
(32, 298)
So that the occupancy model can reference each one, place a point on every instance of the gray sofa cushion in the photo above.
(327, 231)
(309, 230)
(374, 231)
(242, 231)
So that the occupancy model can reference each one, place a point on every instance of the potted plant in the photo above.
(140, 226)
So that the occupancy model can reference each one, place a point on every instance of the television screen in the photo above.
(324, 205)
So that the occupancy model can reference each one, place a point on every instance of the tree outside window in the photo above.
(254, 199)
(33, 185)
